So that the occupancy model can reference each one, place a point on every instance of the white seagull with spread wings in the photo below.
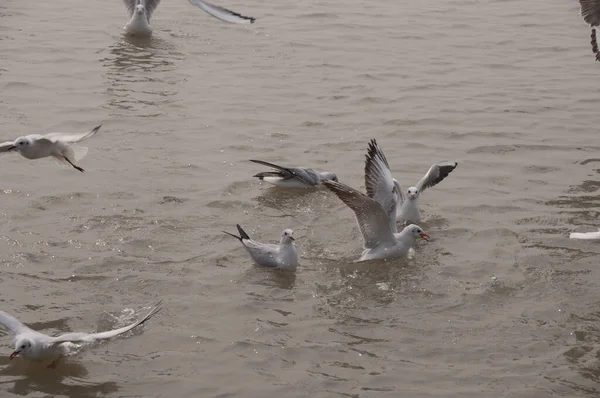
(33, 345)
(140, 12)
(380, 239)
(56, 145)
(377, 167)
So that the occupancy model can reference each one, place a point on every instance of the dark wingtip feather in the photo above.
(243, 234)
(594, 43)
(445, 170)
(235, 236)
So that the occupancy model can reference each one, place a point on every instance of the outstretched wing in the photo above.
(5, 147)
(379, 182)
(91, 337)
(222, 13)
(370, 216)
(12, 324)
(307, 176)
(71, 138)
(130, 5)
(590, 11)
(435, 175)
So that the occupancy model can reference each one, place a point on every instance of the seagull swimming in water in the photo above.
(590, 12)
(380, 239)
(282, 256)
(140, 12)
(293, 177)
(56, 145)
(36, 346)
(377, 169)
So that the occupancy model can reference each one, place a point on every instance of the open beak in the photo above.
(14, 355)
(424, 236)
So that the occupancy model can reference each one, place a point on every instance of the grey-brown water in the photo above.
(499, 304)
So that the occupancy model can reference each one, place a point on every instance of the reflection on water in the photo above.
(65, 380)
(264, 276)
(141, 73)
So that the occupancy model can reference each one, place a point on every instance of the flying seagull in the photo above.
(56, 145)
(33, 345)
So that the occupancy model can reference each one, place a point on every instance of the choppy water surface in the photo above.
(499, 303)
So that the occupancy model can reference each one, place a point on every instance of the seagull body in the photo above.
(140, 12)
(281, 256)
(380, 241)
(408, 202)
(293, 177)
(56, 145)
(585, 235)
(33, 345)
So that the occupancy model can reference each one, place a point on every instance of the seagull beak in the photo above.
(12, 147)
(424, 236)
(292, 238)
(14, 355)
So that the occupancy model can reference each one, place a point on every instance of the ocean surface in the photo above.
(500, 303)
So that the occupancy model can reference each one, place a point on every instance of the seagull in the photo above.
(282, 256)
(293, 177)
(590, 12)
(140, 12)
(379, 239)
(376, 167)
(36, 346)
(585, 235)
(35, 146)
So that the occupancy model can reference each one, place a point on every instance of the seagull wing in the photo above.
(370, 216)
(12, 324)
(222, 13)
(379, 182)
(70, 138)
(307, 176)
(5, 147)
(590, 11)
(130, 5)
(435, 175)
(91, 337)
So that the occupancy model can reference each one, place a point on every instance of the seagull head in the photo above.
(139, 8)
(20, 143)
(413, 193)
(286, 236)
(22, 345)
(417, 232)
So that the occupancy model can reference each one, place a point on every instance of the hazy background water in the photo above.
(499, 303)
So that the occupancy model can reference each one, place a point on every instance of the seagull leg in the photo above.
(76, 167)
(54, 363)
